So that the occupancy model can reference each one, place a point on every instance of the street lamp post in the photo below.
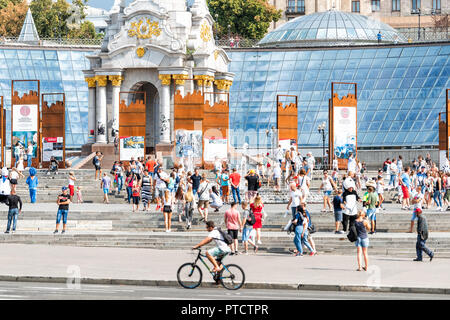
(418, 12)
(321, 128)
(215, 27)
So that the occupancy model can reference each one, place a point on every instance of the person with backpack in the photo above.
(234, 225)
(221, 250)
(248, 220)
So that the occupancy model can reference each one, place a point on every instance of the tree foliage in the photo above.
(247, 18)
(12, 15)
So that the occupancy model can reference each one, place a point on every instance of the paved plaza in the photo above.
(263, 271)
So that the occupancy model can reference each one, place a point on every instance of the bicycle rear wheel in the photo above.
(189, 276)
(232, 277)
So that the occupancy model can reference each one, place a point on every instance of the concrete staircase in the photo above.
(114, 225)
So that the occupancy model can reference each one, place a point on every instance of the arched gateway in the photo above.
(158, 47)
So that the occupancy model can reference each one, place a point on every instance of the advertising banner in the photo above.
(188, 143)
(25, 126)
(53, 147)
(344, 127)
(131, 147)
(215, 148)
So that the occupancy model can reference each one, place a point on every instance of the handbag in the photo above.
(312, 229)
(352, 235)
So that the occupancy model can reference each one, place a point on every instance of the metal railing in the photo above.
(426, 34)
(63, 42)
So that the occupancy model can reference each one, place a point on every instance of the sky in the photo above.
(103, 4)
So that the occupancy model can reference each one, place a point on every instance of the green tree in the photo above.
(12, 17)
(247, 18)
(58, 19)
(51, 17)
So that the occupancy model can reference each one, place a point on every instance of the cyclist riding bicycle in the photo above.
(220, 251)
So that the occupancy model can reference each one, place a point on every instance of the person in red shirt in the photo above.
(150, 166)
(235, 179)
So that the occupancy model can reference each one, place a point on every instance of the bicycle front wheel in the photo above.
(232, 277)
(189, 276)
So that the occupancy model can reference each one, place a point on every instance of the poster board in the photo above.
(343, 122)
(215, 148)
(25, 118)
(344, 134)
(52, 147)
(132, 147)
(53, 125)
(189, 144)
(132, 126)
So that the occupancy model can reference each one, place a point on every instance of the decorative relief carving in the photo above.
(116, 80)
(144, 29)
(204, 80)
(223, 85)
(205, 32)
(180, 79)
(102, 81)
(165, 79)
(140, 52)
(91, 82)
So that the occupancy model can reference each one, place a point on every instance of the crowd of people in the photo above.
(185, 193)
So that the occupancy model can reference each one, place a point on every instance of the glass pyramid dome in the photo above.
(331, 28)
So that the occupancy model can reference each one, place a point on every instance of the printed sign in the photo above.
(131, 147)
(188, 143)
(215, 148)
(52, 147)
(25, 128)
(344, 126)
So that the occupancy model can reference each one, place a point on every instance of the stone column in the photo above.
(116, 83)
(165, 109)
(223, 86)
(91, 108)
(180, 81)
(101, 112)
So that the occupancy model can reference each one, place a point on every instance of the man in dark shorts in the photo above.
(63, 209)
(195, 180)
(97, 165)
(253, 185)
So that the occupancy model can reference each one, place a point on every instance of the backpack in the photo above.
(93, 161)
(226, 237)
(251, 220)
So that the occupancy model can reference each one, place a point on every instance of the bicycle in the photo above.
(231, 277)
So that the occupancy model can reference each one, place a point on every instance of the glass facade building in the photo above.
(401, 91)
(59, 70)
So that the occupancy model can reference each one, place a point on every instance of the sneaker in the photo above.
(55, 232)
(236, 253)
(259, 242)
(231, 253)
(64, 231)
(312, 253)
(432, 256)
(341, 232)
(299, 255)
(6, 231)
(336, 232)
(416, 259)
(255, 249)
